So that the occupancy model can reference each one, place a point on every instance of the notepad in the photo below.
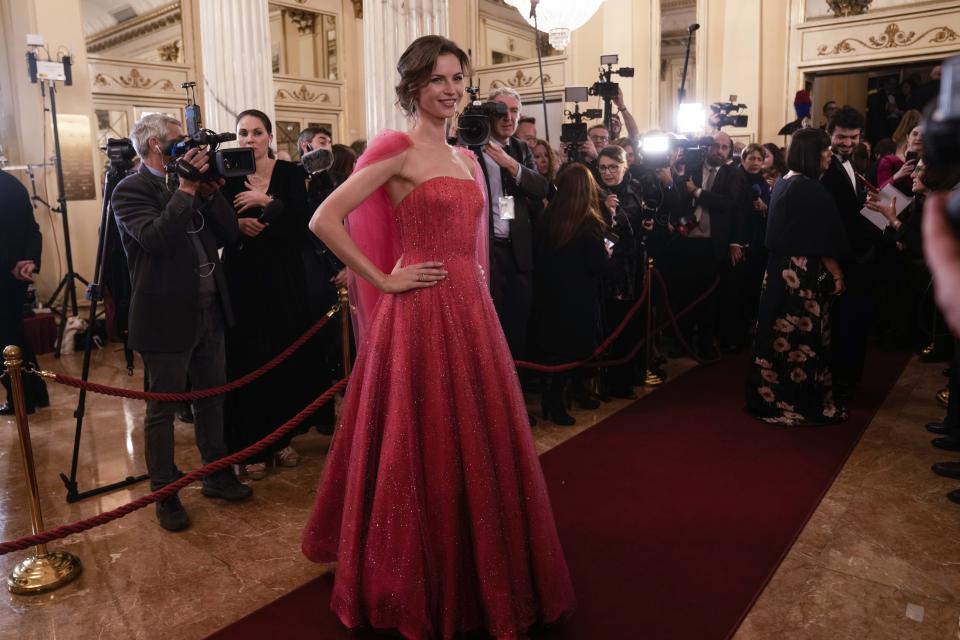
(886, 194)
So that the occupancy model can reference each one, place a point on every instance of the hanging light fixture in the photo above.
(558, 17)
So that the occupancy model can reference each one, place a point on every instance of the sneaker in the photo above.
(171, 514)
(256, 471)
(224, 485)
(287, 457)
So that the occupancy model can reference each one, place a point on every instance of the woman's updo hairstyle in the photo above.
(416, 67)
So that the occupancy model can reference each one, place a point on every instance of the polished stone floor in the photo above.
(879, 559)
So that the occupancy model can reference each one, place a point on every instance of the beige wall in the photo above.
(60, 24)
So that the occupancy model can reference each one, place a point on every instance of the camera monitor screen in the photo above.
(613, 58)
(575, 94)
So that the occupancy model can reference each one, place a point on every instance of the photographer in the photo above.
(718, 197)
(179, 304)
(622, 211)
(515, 193)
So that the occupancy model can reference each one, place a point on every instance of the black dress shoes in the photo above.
(224, 485)
(937, 428)
(954, 496)
(6, 409)
(172, 515)
(947, 469)
(947, 443)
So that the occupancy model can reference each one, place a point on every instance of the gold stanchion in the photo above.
(344, 300)
(650, 377)
(44, 570)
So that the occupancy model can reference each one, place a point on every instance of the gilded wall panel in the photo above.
(302, 94)
(924, 32)
(524, 77)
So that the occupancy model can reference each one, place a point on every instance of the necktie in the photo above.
(709, 184)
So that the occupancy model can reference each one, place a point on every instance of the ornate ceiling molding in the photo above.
(303, 94)
(520, 81)
(147, 23)
(844, 8)
(135, 80)
(306, 21)
(892, 37)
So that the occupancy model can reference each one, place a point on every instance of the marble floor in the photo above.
(879, 559)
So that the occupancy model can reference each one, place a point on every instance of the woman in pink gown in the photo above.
(432, 501)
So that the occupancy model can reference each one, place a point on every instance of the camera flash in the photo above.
(691, 117)
(655, 144)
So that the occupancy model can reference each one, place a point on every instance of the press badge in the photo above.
(506, 208)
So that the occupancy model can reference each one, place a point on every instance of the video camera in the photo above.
(656, 149)
(605, 88)
(721, 114)
(941, 132)
(120, 153)
(474, 125)
(574, 133)
(224, 163)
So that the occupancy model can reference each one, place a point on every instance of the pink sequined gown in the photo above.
(432, 500)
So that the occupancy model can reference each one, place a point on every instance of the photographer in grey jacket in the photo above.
(171, 231)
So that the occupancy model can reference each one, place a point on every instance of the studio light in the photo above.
(691, 117)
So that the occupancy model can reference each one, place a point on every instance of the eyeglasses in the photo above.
(608, 168)
(599, 139)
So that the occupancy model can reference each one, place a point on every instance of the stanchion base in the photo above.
(652, 379)
(37, 574)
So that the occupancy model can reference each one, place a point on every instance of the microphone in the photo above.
(271, 212)
(533, 8)
(693, 27)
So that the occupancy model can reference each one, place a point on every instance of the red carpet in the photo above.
(674, 513)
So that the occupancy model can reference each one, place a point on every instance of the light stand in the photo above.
(120, 165)
(682, 91)
(49, 72)
(543, 92)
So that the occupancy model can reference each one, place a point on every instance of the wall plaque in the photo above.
(76, 155)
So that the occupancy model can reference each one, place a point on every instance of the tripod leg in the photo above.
(56, 292)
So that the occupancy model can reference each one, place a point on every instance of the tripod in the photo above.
(68, 283)
(119, 167)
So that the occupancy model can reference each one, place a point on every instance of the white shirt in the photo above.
(501, 228)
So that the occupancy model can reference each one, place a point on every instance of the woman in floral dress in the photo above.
(790, 381)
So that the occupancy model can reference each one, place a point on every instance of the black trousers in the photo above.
(695, 267)
(851, 318)
(12, 333)
(952, 419)
(512, 293)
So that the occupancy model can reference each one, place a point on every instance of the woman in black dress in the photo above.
(268, 290)
(569, 261)
(790, 381)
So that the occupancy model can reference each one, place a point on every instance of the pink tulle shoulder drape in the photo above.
(373, 227)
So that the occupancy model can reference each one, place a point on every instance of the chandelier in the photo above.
(558, 17)
(843, 8)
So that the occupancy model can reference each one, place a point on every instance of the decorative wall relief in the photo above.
(135, 80)
(303, 94)
(892, 37)
(520, 81)
(843, 8)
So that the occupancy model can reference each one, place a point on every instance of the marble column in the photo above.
(389, 26)
(236, 55)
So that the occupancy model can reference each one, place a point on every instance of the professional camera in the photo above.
(655, 150)
(120, 153)
(224, 163)
(722, 111)
(941, 132)
(574, 133)
(604, 88)
(475, 123)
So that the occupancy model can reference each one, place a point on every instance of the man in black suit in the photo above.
(20, 247)
(515, 192)
(852, 312)
(717, 202)
(179, 304)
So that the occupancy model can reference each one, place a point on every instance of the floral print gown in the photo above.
(790, 381)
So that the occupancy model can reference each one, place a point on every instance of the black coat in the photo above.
(527, 199)
(20, 237)
(164, 268)
(566, 309)
(862, 234)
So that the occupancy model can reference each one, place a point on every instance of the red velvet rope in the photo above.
(95, 521)
(185, 396)
(83, 525)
